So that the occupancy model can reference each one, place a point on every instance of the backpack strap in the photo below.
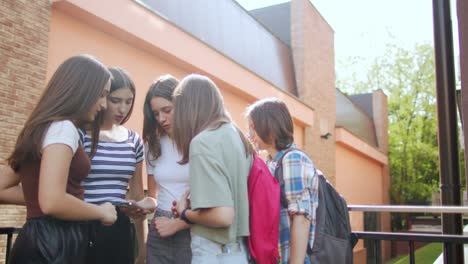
(279, 177)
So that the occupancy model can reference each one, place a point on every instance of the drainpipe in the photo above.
(447, 126)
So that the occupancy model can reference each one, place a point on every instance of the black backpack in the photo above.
(333, 242)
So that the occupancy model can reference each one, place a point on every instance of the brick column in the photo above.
(312, 45)
(24, 31)
(380, 118)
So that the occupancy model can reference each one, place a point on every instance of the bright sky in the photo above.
(364, 27)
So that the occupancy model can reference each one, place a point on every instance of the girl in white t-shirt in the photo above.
(168, 237)
(48, 165)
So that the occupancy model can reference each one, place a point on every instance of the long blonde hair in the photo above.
(199, 105)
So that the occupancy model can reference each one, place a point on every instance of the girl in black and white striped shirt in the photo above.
(116, 167)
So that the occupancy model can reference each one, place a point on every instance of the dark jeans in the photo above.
(113, 244)
(47, 240)
(174, 249)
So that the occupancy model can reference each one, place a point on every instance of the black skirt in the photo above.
(47, 240)
(113, 244)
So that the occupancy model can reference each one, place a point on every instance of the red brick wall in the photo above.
(24, 29)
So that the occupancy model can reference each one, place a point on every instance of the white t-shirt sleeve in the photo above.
(62, 132)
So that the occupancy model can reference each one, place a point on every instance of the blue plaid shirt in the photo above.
(301, 190)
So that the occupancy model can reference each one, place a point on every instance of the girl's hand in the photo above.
(143, 207)
(168, 227)
(179, 206)
(109, 214)
(149, 204)
(135, 211)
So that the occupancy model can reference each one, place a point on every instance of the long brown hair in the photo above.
(72, 91)
(272, 122)
(152, 130)
(199, 105)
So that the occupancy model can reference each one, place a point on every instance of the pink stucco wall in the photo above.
(360, 179)
(70, 35)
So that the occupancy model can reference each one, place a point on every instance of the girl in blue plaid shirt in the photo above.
(271, 129)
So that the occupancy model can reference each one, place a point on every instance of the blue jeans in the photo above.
(205, 251)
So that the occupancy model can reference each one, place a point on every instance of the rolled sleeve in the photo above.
(297, 184)
(302, 205)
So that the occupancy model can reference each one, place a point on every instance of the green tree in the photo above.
(408, 79)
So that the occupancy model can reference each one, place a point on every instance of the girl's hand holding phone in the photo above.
(131, 209)
(136, 210)
(149, 204)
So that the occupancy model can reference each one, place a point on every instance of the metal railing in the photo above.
(447, 239)
(411, 238)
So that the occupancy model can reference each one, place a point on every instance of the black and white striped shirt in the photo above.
(112, 167)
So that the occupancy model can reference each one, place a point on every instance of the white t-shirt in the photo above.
(172, 178)
(62, 132)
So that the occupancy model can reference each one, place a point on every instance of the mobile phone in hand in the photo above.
(127, 204)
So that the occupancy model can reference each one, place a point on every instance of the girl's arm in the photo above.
(53, 198)
(212, 217)
(222, 216)
(152, 187)
(169, 226)
(149, 202)
(136, 193)
(299, 238)
(10, 188)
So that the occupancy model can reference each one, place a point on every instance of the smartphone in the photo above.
(127, 204)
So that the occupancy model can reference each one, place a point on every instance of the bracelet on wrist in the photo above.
(184, 217)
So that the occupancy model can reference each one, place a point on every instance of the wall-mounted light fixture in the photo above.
(324, 129)
(326, 136)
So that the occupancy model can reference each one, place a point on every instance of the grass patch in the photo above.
(426, 254)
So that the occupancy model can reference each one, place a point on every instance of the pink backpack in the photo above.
(264, 208)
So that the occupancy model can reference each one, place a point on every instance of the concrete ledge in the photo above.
(351, 141)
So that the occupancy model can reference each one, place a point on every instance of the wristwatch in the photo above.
(184, 217)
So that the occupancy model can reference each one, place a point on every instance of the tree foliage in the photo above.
(408, 79)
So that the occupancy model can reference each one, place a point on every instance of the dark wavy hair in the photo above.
(152, 131)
